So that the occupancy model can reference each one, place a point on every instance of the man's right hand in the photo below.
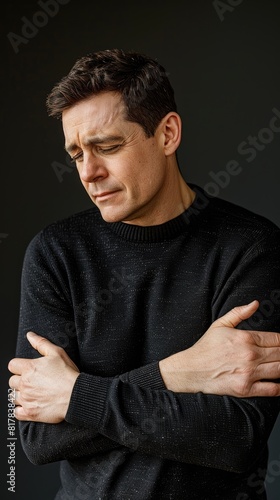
(227, 361)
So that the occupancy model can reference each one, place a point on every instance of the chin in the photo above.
(117, 213)
(111, 216)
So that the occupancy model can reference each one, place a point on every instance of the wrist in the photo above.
(172, 373)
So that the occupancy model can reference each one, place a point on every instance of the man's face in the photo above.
(123, 171)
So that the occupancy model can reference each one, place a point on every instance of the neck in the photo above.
(184, 197)
(175, 197)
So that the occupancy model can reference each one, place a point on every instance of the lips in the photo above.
(104, 195)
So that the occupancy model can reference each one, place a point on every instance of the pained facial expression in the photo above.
(122, 170)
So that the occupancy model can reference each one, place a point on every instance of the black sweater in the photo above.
(119, 298)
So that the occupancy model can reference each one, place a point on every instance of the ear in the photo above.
(171, 128)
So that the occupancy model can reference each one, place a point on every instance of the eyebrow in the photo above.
(97, 139)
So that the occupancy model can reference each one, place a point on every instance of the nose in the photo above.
(92, 169)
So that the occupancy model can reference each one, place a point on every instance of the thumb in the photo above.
(41, 344)
(238, 314)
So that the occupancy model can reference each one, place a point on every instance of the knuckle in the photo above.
(32, 411)
(240, 391)
(276, 339)
(60, 351)
(244, 383)
(242, 388)
(274, 390)
(246, 336)
(251, 356)
(40, 342)
(236, 310)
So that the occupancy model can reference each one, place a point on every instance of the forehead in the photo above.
(94, 115)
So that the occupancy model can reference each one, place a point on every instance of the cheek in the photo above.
(141, 174)
(146, 184)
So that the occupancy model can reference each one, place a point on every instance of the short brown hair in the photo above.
(142, 82)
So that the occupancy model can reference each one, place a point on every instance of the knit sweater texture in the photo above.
(119, 298)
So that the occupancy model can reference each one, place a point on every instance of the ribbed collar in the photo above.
(165, 231)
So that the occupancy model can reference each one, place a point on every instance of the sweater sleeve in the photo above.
(45, 308)
(215, 431)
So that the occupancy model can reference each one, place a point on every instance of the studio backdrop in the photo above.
(222, 58)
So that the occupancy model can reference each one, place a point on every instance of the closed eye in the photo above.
(76, 157)
(108, 150)
(99, 149)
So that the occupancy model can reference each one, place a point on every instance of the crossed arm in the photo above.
(223, 362)
(219, 372)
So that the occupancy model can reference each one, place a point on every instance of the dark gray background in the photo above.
(227, 79)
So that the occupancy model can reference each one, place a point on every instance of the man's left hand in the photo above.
(42, 386)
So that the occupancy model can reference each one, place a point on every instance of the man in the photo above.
(144, 371)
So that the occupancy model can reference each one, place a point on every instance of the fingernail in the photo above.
(31, 334)
(247, 305)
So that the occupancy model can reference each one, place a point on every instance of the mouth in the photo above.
(106, 195)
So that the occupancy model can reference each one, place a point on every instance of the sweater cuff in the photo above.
(146, 376)
(87, 401)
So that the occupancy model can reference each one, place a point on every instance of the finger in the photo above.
(16, 398)
(269, 340)
(14, 382)
(267, 371)
(236, 315)
(41, 344)
(265, 389)
(12, 395)
(20, 414)
(18, 365)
